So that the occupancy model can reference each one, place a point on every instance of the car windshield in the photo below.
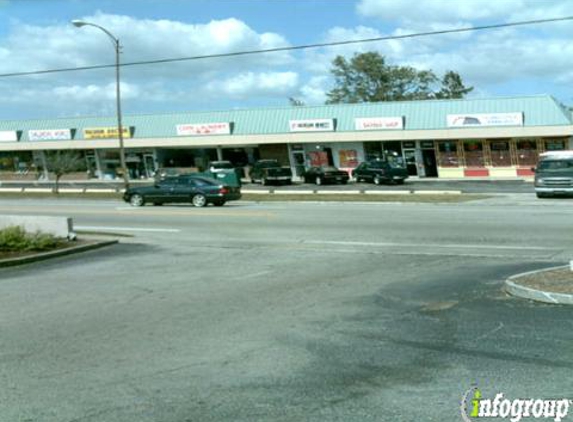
(555, 165)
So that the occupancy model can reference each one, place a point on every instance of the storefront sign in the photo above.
(8, 136)
(203, 129)
(105, 133)
(498, 119)
(317, 125)
(409, 145)
(49, 134)
(379, 123)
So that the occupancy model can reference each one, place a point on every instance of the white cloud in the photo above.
(95, 92)
(249, 84)
(534, 57)
(30, 47)
(314, 91)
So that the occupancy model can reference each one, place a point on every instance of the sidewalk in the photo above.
(552, 285)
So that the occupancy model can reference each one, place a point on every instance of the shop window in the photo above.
(348, 158)
(555, 145)
(372, 150)
(526, 153)
(500, 155)
(473, 152)
(448, 154)
(317, 158)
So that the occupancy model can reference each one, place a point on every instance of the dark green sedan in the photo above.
(198, 190)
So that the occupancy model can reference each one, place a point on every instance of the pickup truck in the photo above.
(270, 171)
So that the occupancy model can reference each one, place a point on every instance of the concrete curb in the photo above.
(10, 262)
(513, 287)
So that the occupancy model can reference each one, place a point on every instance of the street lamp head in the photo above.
(79, 23)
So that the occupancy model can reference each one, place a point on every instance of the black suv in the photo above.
(198, 190)
(389, 170)
(270, 171)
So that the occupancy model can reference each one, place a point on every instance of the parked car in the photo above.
(270, 171)
(390, 169)
(554, 174)
(323, 175)
(198, 190)
(217, 166)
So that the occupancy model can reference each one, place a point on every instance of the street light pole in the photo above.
(117, 46)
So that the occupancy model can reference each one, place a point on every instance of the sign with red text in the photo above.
(379, 123)
(314, 125)
(203, 129)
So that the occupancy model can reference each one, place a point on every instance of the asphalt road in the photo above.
(285, 312)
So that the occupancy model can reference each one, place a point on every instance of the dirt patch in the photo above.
(559, 280)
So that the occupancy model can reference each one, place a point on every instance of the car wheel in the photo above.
(199, 200)
(157, 204)
(318, 180)
(344, 182)
(542, 195)
(377, 180)
(399, 182)
(219, 203)
(136, 200)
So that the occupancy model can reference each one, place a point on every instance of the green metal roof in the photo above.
(540, 110)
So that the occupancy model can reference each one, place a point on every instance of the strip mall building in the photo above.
(495, 138)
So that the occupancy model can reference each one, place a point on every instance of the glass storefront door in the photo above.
(410, 159)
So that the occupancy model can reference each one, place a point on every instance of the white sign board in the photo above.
(8, 136)
(202, 129)
(379, 123)
(315, 125)
(49, 134)
(494, 119)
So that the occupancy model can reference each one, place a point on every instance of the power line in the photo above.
(292, 48)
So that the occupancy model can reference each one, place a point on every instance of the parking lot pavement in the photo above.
(285, 312)
(466, 186)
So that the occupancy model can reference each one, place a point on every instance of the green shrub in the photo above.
(16, 239)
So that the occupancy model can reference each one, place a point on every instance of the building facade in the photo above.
(495, 138)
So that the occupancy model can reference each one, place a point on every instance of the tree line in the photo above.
(367, 77)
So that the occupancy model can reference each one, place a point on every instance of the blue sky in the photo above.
(37, 35)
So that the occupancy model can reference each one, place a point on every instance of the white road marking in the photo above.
(247, 276)
(129, 229)
(430, 245)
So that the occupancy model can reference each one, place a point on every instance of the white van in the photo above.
(554, 174)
